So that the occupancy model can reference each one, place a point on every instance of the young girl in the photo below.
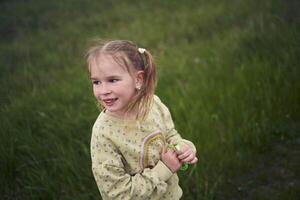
(130, 158)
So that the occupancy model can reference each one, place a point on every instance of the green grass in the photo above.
(228, 70)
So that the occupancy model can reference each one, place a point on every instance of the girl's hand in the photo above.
(169, 158)
(186, 155)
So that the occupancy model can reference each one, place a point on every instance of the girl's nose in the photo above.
(104, 89)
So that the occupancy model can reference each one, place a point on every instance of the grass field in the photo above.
(228, 70)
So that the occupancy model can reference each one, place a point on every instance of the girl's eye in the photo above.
(96, 82)
(113, 80)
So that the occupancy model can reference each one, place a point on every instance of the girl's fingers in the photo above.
(185, 154)
(173, 153)
(168, 151)
(194, 161)
(188, 159)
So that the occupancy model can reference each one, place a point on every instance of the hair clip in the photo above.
(141, 50)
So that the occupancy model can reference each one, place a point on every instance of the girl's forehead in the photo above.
(107, 62)
(105, 58)
(113, 62)
(107, 66)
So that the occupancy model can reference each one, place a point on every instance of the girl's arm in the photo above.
(172, 136)
(115, 183)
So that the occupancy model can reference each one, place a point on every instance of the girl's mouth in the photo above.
(109, 102)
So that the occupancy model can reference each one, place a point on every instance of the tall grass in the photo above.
(228, 70)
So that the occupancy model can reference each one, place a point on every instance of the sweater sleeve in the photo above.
(112, 179)
(172, 136)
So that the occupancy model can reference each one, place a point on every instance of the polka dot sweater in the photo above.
(126, 156)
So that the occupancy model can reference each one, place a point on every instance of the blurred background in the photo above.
(227, 69)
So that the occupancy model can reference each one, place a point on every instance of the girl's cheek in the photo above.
(95, 92)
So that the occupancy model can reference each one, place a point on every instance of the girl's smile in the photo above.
(109, 102)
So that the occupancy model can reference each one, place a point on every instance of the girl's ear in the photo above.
(139, 79)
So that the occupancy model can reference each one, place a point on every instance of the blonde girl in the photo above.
(130, 158)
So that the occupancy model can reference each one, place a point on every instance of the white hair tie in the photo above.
(141, 50)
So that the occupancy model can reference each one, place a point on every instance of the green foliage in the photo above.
(228, 70)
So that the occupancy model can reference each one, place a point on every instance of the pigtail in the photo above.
(147, 91)
(150, 72)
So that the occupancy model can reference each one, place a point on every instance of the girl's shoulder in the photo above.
(157, 101)
(99, 123)
(104, 126)
(156, 98)
(160, 106)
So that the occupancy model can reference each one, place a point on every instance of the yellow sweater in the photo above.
(126, 156)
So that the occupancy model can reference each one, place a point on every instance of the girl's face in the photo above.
(113, 86)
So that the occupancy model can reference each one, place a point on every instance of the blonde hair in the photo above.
(127, 54)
